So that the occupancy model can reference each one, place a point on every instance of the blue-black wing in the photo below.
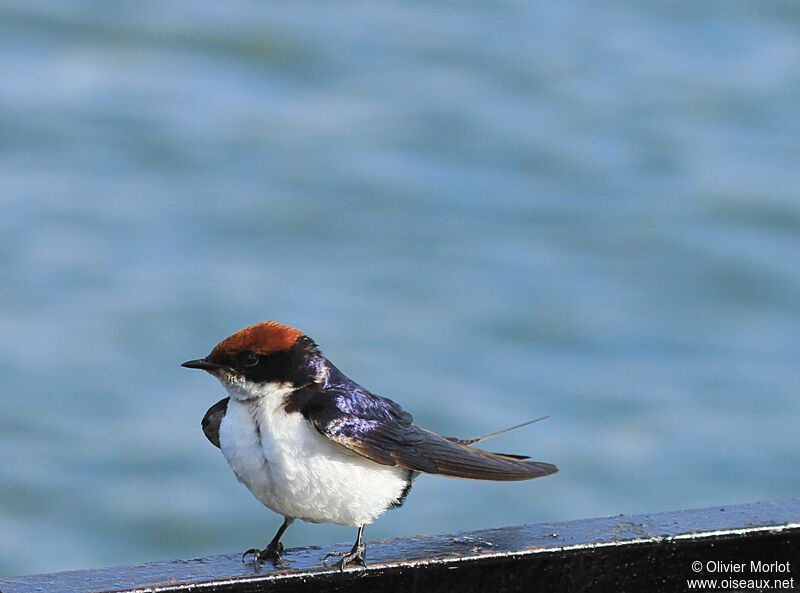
(212, 420)
(379, 429)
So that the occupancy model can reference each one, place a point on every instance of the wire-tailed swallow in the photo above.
(311, 444)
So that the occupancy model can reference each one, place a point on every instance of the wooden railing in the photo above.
(654, 552)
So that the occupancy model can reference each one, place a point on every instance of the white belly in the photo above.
(297, 472)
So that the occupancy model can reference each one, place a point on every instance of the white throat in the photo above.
(271, 393)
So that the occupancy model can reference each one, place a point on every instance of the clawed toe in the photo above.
(334, 554)
(355, 556)
(253, 551)
(268, 554)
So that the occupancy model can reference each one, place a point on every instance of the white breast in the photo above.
(297, 472)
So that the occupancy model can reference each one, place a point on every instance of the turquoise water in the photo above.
(487, 211)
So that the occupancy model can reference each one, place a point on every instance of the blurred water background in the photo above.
(487, 211)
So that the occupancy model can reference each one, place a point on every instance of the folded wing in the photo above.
(212, 419)
(380, 430)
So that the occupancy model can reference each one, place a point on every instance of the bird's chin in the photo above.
(241, 389)
(235, 384)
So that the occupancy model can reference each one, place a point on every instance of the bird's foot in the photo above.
(272, 553)
(356, 556)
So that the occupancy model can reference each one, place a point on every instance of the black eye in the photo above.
(247, 360)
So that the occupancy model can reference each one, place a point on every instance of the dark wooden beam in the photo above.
(651, 552)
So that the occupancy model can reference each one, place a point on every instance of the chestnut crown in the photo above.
(261, 352)
(261, 339)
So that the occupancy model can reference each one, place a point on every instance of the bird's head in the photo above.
(262, 358)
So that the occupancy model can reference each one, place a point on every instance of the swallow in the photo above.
(311, 444)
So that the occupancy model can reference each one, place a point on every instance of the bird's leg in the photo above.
(357, 555)
(273, 550)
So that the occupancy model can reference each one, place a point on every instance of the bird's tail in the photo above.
(437, 455)
(489, 435)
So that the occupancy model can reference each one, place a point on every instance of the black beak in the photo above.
(201, 363)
